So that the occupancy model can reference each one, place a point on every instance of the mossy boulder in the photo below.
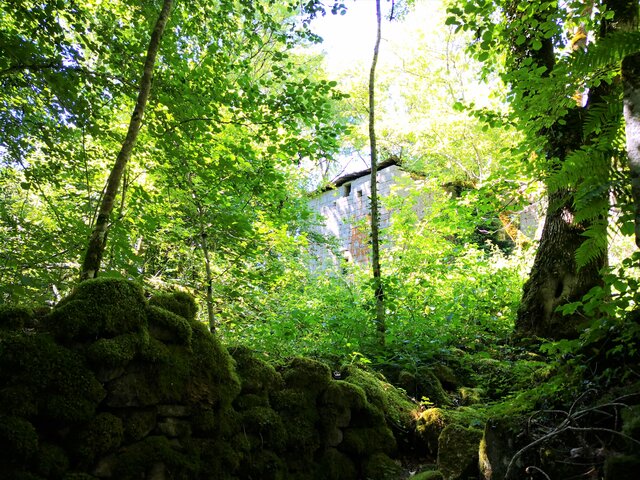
(423, 383)
(365, 441)
(138, 460)
(380, 467)
(256, 375)
(52, 461)
(335, 465)
(113, 352)
(18, 440)
(430, 425)
(104, 433)
(15, 317)
(500, 442)
(306, 374)
(59, 385)
(392, 402)
(179, 303)
(167, 326)
(458, 452)
(266, 425)
(428, 475)
(98, 308)
(445, 375)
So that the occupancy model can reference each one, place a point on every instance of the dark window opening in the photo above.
(347, 190)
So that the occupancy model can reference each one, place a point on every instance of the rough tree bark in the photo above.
(555, 277)
(375, 210)
(98, 238)
(631, 84)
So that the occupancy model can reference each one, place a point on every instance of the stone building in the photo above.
(345, 207)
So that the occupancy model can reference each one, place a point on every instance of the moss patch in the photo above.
(102, 307)
(179, 303)
(458, 451)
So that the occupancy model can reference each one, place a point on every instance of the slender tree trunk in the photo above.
(631, 83)
(375, 210)
(207, 265)
(98, 238)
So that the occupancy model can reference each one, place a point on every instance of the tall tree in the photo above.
(98, 239)
(571, 142)
(378, 287)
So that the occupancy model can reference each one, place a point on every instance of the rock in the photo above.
(430, 425)
(333, 437)
(174, 427)
(131, 390)
(157, 472)
(458, 452)
(497, 448)
(105, 467)
(173, 411)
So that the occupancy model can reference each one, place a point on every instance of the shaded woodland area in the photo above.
(163, 315)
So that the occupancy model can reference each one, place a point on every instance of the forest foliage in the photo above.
(242, 119)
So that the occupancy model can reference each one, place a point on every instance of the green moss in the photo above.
(213, 376)
(470, 396)
(428, 475)
(250, 400)
(335, 465)
(391, 401)
(179, 303)
(267, 424)
(380, 467)
(445, 375)
(18, 400)
(204, 421)
(59, 380)
(265, 465)
(344, 394)
(135, 460)
(15, 317)
(167, 326)
(307, 374)
(365, 441)
(430, 425)
(138, 423)
(173, 375)
(113, 352)
(52, 461)
(78, 476)
(18, 439)
(256, 375)
(103, 434)
(458, 451)
(428, 385)
(623, 467)
(102, 307)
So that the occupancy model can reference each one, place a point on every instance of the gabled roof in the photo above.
(393, 160)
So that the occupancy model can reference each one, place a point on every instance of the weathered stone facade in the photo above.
(346, 211)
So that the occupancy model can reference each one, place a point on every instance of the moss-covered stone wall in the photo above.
(108, 385)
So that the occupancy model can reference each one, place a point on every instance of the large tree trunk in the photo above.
(375, 215)
(631, 83)
(556, 278)
(98, 238)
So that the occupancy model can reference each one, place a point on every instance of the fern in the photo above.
(606, 52)
(595, 246)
